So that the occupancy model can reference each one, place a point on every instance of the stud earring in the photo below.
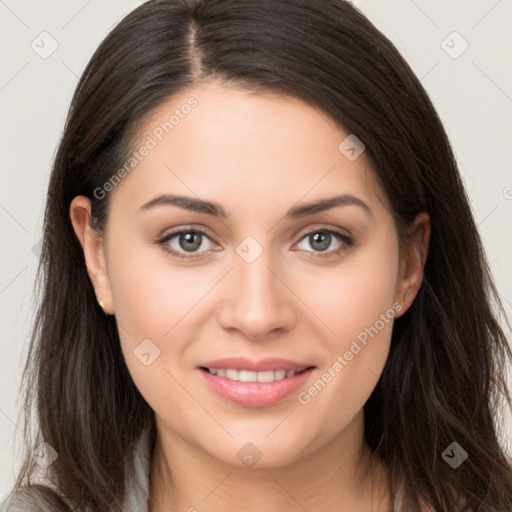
(103, 307)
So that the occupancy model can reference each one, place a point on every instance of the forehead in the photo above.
(245, 150)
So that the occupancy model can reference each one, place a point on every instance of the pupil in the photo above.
(323, 239)
(190, 241)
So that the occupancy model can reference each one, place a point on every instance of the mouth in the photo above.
(248, 383)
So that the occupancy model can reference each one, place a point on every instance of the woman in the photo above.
(263, 287)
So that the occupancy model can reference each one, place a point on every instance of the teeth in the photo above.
(280, 374)
(232, 374)
(250, 376)
(247, 376)
(266, 376)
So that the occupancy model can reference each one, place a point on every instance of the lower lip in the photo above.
(255, 394)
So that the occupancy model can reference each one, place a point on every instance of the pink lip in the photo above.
(243, 363)
(255, 394)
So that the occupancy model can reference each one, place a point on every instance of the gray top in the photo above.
(138, 478)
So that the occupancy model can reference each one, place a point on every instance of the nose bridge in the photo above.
(258, 288)
(256, 283)
(257, 302)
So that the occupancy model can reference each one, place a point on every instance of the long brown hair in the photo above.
(445, 375)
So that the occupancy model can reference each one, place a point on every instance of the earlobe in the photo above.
(412, 261)
(93, 249)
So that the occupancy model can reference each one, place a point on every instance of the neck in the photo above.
(343, 475)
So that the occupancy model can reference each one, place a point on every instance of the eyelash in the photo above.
(347, 241)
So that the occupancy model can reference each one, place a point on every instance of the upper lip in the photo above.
(244, 363)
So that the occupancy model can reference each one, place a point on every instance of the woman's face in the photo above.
(267, 278)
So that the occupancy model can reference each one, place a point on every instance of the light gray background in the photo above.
(472, 93)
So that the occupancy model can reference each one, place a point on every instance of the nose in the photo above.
(257, 301)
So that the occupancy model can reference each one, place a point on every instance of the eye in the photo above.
(322, 239)
(184, 244)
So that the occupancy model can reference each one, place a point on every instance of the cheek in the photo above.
(356, 302)
(151, 294)
(154, 305)
(352, 296)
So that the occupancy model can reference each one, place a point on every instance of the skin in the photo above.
(257, 156)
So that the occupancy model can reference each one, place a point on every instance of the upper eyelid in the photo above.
(172, 234)
(344, 238)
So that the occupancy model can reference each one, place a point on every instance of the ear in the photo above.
(94, 251)
(412, 261)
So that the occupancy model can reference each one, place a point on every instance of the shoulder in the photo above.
(32, 499)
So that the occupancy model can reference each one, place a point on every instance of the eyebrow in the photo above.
(216, 210)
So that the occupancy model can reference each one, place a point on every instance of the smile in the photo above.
(250, 388)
